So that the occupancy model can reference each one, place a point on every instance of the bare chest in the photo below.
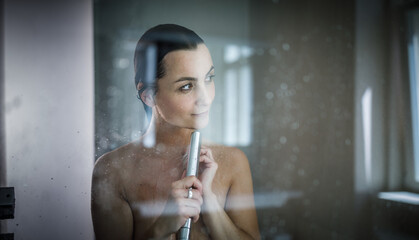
(148, 193)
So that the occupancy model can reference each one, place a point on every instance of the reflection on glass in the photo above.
(238, 97)
(413, 51)
(303, 91)
(367, 131)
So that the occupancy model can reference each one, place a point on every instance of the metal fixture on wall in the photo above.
(7, 208)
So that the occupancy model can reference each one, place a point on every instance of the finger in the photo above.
(207, 162)
(195, 218)
(206, 155)
(205, 159)
(183, 174)
(206, 151)
(196, 194)
(187, 182)
(180, 193)
(197, 185)
(188, 212)
(189, 202)
(188, 207)
(191, 209)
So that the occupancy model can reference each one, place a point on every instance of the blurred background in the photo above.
(322, 96)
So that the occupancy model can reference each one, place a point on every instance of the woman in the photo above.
(141, 192)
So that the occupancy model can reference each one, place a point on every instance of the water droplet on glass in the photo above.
(273, 230)
(269, 95)
(286, 47)
(263, 161)
(112, 102)
(121, 63)
(337, 110)
(273, 51)
(272, 69)
(259, 51)
(301, 172)
(112, 91)
(283, 139)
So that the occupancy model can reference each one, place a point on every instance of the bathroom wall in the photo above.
(2, 143)
(48, 110)
(2, 129)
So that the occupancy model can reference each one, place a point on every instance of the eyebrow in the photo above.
(192, 78)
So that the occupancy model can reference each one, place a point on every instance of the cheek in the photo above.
(211, 93)
(175, 105)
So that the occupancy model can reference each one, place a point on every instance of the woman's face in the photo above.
(187, 90)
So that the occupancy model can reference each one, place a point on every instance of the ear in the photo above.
(148, 97)
(140, 85)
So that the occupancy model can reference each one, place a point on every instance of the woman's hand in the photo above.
(207, 169)
(179, 207)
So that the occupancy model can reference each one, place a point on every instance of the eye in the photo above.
(186, 87)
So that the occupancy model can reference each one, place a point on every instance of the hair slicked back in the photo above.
(151, 49)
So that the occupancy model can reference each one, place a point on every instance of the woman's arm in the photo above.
(177, 209)
(238, 220)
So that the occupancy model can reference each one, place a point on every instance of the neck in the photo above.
(169, 136)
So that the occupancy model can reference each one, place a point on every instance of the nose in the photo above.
(203, 95)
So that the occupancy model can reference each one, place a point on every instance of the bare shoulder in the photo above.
(111, 213)
(228, 157)
(111, 164)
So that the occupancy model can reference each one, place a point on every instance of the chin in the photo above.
(200, 124)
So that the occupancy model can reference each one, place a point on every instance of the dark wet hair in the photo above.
(153, 47)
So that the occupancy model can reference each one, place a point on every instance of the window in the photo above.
(238, 89)
(413, 53)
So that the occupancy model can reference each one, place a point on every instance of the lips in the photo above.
(202, 114)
